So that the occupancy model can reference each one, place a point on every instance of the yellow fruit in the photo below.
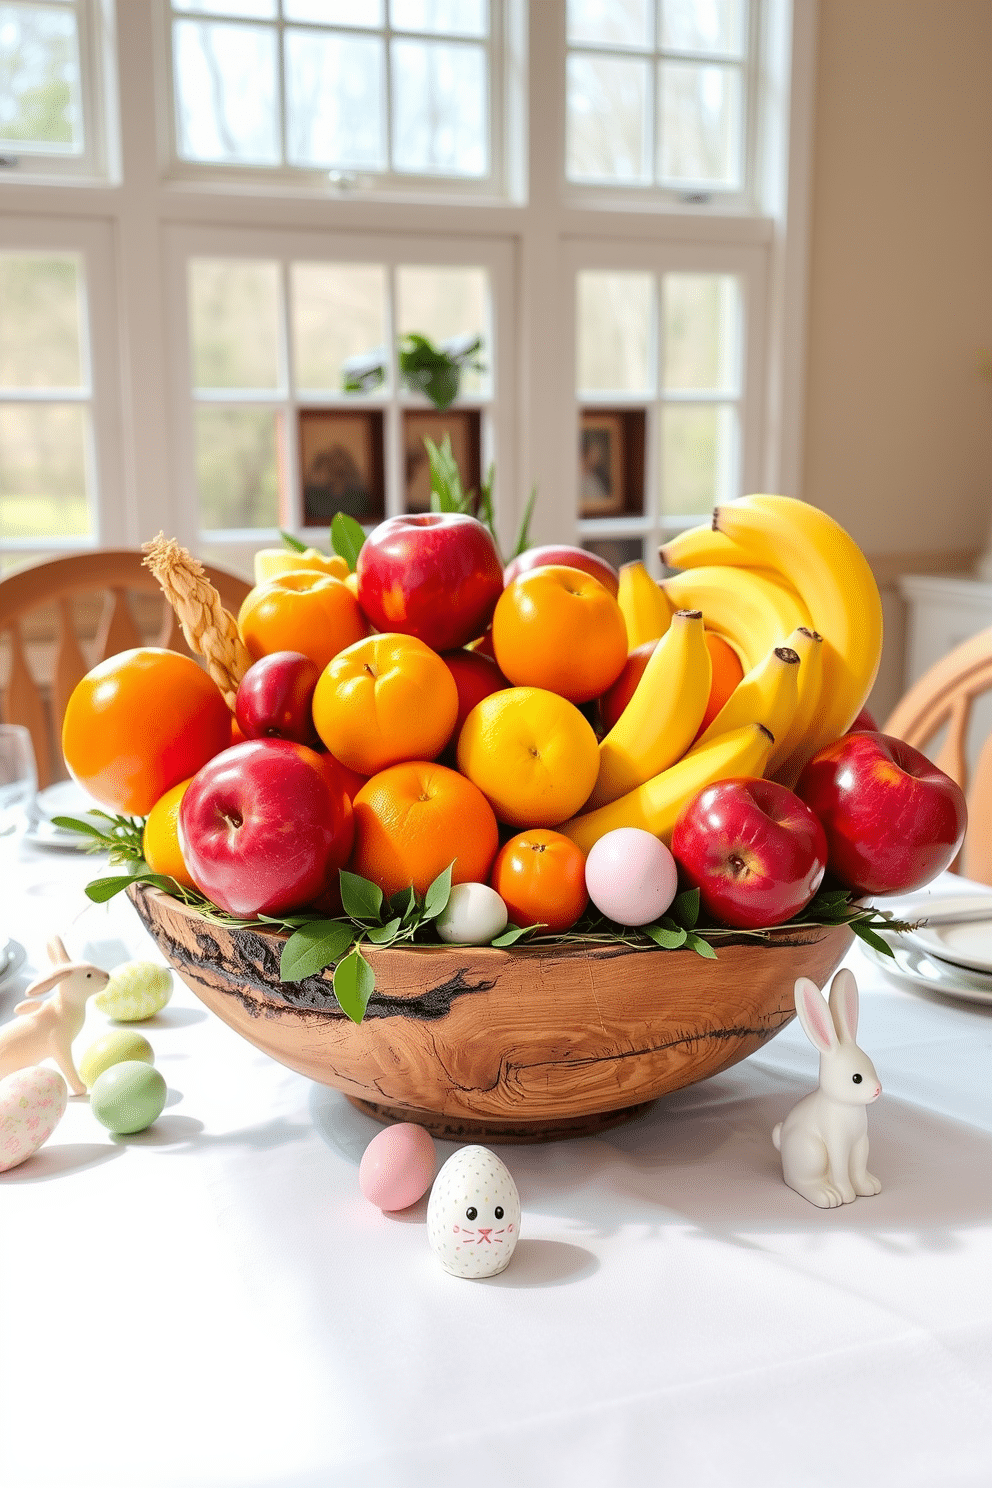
(531, 753)
(646, 612)
(160, 839)
(271, 562)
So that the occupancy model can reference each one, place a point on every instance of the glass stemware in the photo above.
(18, 779)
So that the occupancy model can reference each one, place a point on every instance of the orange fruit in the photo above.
(727, 672)
(413, 819)
(301, 611)
(532, 754)
(541, 878)
(160, 839)
(560, 629)
(385, 699)
(139, 723)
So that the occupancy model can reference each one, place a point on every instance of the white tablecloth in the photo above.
(213, 1302)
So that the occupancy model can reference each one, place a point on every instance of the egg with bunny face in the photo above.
(473, 1216)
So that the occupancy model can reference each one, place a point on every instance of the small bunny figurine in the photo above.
(824, 1139)
(45, 1030)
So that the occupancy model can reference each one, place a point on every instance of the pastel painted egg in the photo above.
(397, 1166)
(113, 1048)
(128, 1097)
(473, 915)
(631, 877)
(136, 990)
(32, 1103)
(473, 1217)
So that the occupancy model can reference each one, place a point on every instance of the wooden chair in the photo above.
(92, 601)
(944, 696)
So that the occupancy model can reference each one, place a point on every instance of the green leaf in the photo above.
(671, 940)
(347, 538)
(685, 908)
(513, 933)
(447, 494)
(314, 946)
(354, 983)
(73, 824)
(361, 900)
(293, 543)
(865, 933)
(102, 889)
(437, 896)
(523, 536)
(403, 903)
(484, 508)
(383, 934)
(701, 947)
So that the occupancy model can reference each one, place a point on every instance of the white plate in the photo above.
(962, 945)
(46, 834)
(64, 798)
(12, 958)
(909, 964)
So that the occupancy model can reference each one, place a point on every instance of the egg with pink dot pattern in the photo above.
(32, 1103)
(397, 1166)
(473, 1217)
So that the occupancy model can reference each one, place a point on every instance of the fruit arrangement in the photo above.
(406, 741)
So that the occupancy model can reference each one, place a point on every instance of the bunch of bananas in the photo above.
(794, 596)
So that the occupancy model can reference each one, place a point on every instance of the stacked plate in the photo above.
(66, 798)
(950, 954)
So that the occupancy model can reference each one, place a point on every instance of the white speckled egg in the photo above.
(136, 990)
(473, 1217)
(397, 1166)
(631, 877)
(474, 915)
(32, 1103)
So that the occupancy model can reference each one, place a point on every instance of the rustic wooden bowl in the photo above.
(519, 1045)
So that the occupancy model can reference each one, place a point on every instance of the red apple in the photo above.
(616, 698)
(756, 853)
(567, 557)
(434, 575)
(274, 698)
(893, 820)
(265, 826)
(476, 677)
(864, 721)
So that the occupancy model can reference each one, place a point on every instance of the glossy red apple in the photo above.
(893, 820)
(433, 575)
(265, 826)
(756, 853)
(864, 720)
(476, 677)
(274, 697)
(567, 557)
(616, 698)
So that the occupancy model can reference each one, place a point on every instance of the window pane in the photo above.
(451, 17)
(698, 458)
(614, 314)
(339, 311)
(39, 322)
(610, 22)
(237, 467)
(335, 101)
(255, 10)
(447, 304)
(234, 323)
(226, 93)
(40, 103)
(335, 12)
(43, 470)
(440, 108)
(607, 126)
(700, 124)
(703, 26)
(702, 332)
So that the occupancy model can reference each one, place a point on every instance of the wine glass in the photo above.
(18, 778)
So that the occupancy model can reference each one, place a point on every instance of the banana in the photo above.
(660, 721)
(784, 765)
(701, 547)
(831, 574)
(655, 805)
(646, 612)
(751, 608)
(768, 694)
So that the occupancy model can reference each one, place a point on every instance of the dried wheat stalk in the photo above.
(210, 630)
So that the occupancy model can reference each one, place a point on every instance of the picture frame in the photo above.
(341, 465)
(464, 428)
(602, 464)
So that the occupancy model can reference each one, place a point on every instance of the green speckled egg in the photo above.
(136, 990)
(127, 1097)
(112, 1048)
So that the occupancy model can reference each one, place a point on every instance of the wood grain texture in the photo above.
(519, 1040)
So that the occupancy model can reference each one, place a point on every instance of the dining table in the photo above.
(212, 1303)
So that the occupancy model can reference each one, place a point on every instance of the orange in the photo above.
(560, 629)
(385, 699)
(413, 819)
(541, 878)
(727, 672)
(139, 723)
(160, 839)
(531, 753)
(301, 611)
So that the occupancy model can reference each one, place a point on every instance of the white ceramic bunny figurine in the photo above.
(45, 1030)
(824, 1139)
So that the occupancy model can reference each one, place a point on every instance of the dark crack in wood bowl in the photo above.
(519, 1045)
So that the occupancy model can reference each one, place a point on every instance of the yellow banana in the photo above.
(751, 608)
(272, 562)
(660, 721)
(646, 612)
(789, 755)
(814, 553)
(655, 805)
(701, 547)
(768, 694)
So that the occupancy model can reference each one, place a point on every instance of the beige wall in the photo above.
(898, 424)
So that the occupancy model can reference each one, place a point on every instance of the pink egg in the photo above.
(631, 876)
(397, 1166)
